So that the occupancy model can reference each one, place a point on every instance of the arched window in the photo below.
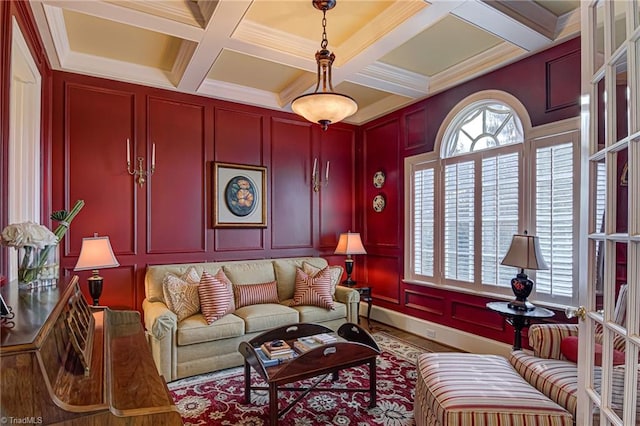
(487, 181)
(493, 127)
(482, 125)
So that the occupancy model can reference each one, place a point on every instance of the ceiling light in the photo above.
(324, 107)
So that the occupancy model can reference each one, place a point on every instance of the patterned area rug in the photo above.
(218, 398)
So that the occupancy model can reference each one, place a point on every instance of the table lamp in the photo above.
(349, 243)
(95, 253)
(524, 253)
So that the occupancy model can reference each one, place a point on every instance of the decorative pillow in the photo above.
(255, 294)
(334, 271)
(181, 294)
(216, 296)
(569, 348)
(313, 290)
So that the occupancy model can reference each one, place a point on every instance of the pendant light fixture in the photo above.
(324, 107)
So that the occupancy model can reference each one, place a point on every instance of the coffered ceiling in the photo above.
(389, 53)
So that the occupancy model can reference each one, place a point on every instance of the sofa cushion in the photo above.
(267, 316)
(285, 270)
(557, 379)
(315, 314)
(335, 272)
(255, 294)
(216, 296)
(569, 348)
(249, 272)
(181, 294)
(313, 290)
(196, 330)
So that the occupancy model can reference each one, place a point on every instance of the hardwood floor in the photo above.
(409, 337)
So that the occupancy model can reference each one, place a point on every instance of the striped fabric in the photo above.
(313, 290)
(335, 271)
(545, 339)
(255, 294)
(460, 389)
(557, 379)
(216, 296)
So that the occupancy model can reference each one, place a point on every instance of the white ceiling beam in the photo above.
(222, 24)
(392, 79)
(529, 13)
(131, 17)
(500, 24)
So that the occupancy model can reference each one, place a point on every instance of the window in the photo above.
(488, 183)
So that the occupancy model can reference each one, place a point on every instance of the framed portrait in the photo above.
(239, 196)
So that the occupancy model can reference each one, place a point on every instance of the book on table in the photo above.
(266, 361)
(277, 349)
(324, 338)
(305, 344)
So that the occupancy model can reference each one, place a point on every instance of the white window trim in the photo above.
(533, 136)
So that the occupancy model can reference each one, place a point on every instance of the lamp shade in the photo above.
(350, 243)
(525, 253)
(96, 253)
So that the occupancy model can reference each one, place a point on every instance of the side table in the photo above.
(365, 296)
(519, 319)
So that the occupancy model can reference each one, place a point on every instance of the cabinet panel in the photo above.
(97, 123)
(177, 212)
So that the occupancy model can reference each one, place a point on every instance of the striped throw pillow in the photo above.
(255, 294)
(335, 272)
(313, 290)
(216, 296)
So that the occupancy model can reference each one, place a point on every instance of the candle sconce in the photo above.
(140, 172)
(316, 180)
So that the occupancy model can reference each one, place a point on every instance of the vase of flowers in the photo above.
(37, 246)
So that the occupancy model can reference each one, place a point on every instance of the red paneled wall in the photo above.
(547, 84)
(168, 218)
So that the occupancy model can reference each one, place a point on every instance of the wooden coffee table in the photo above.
(354, 347)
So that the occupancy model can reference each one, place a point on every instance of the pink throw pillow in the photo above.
(313, 290)
(255, 294)
(216, 296)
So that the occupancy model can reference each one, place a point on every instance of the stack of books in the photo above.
(305, 344)
(324, 338)
(277, 349)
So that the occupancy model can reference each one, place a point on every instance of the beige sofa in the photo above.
(192, 346)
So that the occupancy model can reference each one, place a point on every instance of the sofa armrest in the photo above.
(545, 339)
(351, 298)
(161, 325)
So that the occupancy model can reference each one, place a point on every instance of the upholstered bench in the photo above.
(459, 389)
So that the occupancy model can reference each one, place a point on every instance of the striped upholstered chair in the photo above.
(553, 374)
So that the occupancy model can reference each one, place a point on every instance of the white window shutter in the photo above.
(424, 222)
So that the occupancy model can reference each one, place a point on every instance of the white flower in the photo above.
(28, 234)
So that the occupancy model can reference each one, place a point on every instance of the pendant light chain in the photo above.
(324, 41)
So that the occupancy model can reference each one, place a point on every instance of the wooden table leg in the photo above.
(247, 383)
(372, 383)
(273, 404)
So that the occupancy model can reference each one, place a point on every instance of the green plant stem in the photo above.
(61, 230)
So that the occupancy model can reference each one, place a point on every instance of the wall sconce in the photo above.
(140, 172)
(316, 180)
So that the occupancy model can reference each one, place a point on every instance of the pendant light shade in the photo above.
(324, 106)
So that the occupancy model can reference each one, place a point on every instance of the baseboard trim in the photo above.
(438, 333)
